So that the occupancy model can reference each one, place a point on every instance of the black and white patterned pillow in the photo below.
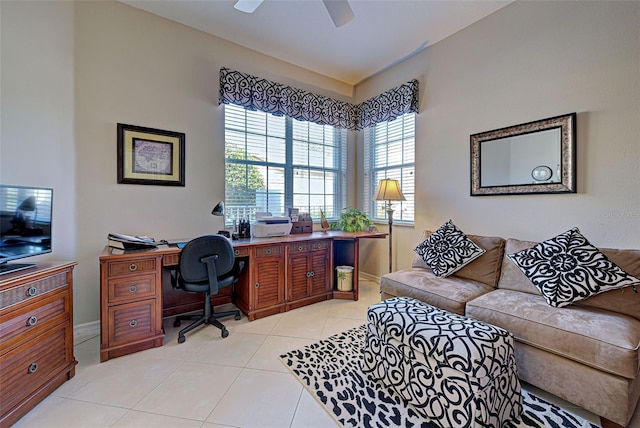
(448, 250)
(567, 269)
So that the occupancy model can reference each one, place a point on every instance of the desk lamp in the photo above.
(218, 210)
(389, 190)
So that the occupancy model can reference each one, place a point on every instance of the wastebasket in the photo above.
(345, 278)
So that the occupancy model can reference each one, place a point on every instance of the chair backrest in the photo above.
(192, 269)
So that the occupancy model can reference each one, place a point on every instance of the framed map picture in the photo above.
(150, 156)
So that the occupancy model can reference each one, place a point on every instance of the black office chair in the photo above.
(207, 264)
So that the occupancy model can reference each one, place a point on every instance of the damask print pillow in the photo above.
(448, 250)
(567, 269)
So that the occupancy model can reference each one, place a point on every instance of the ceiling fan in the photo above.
(339, 10)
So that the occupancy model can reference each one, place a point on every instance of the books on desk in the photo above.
(128, 242)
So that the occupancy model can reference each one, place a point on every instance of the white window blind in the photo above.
(276, 162)
(389, 152)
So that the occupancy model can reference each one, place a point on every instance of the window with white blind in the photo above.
(389, 152)
(276, 162)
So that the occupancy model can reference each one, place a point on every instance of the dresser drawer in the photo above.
(31, 319)
(270, 251)
(131, 321)
(304, 247)
(26, 368)
(32, 291)
(126, 289)
(131, 266)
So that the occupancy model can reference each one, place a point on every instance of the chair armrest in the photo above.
(239, 270)
(173, 271)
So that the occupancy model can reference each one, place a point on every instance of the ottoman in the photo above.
(453, 370)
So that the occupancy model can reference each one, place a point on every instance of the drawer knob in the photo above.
(236, 252)
(133, 289)
(268, 251)
(312, 274)
(33, 367)
(257, 285)
(32, 321)
(32, 291)
(299, 247)
(133, 267)
(133, 323)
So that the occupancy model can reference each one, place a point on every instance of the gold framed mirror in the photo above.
(530, 158)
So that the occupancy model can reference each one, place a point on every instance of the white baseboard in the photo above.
(86, 328)
(369, 277)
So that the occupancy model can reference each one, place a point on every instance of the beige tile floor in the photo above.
(208, 381)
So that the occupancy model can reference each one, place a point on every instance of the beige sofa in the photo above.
(586, 353)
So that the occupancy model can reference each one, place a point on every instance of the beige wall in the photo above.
(528, 61)
(37, 108)
(86, 66)
(71, 71)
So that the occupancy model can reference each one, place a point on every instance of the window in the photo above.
(276, 162)
(389, 152)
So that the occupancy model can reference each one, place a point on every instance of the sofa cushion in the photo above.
(447, 250)
(624, 300)
(450, 294)
(604, 340)
(485, 269)
(568, 268)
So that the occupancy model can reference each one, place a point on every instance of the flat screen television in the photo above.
(25, 224)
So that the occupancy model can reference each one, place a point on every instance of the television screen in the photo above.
(25, 224)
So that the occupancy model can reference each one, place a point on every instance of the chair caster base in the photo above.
(237, 317)
(181, 339)
(224, 332)
(176, 323)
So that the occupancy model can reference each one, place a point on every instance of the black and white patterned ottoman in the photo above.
(453, 370)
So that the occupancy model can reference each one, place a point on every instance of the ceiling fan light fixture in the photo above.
(247, 6)
(340, 11)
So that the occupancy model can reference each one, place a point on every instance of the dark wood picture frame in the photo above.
(150, 156)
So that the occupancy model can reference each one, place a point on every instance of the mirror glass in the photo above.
(535, 157)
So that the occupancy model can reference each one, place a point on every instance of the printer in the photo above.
(267, 225)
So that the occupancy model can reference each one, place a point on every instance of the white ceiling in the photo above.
(301, 32)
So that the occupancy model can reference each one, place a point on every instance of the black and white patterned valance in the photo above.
(256, 93)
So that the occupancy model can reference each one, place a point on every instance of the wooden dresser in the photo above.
(36, 336)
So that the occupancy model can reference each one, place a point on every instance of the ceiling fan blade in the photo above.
(247, 6)
(340, 11)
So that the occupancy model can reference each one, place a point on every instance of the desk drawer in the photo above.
(131, 321)
(29, 366)
(30, 319)
(241, 252)
(33, 290)
(269, 251)
(126, 289)
(304, 247)
(131, 266)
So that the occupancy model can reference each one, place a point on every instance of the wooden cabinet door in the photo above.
(298, 275)
(308, 270)
(320, 274)
(268, 284)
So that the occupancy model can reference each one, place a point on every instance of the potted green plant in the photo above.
(352, 220)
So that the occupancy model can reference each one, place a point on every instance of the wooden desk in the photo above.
(282, 273)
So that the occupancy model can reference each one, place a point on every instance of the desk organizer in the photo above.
(302, 227)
